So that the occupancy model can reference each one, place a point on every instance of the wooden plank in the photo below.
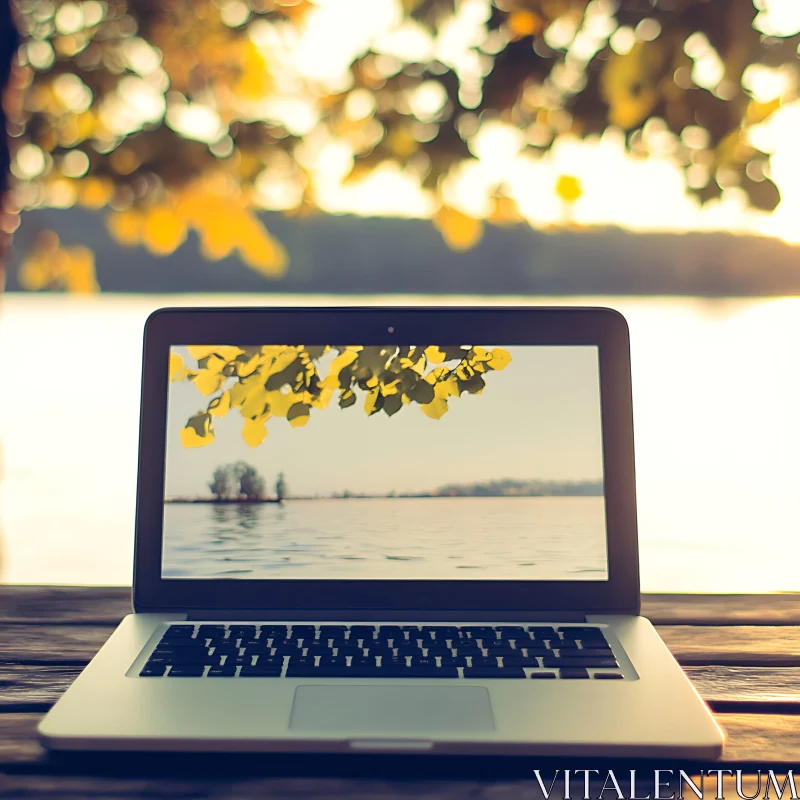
(718, 685)
(71, 604)
(741, 646)
(736, 609)
(51, 644)
(107, 605)
(762, 739)
(33, 688)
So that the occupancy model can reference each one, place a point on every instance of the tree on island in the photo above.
(222, 483)
(251, 482)
(280, 487)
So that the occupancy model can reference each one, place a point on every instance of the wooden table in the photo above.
(742, 652)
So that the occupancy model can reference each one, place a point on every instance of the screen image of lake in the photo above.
(467, 538)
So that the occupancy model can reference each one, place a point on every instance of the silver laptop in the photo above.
(386, 530)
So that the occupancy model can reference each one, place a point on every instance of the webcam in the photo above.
(390, 329)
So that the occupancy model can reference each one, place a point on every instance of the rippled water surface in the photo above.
(546, 538)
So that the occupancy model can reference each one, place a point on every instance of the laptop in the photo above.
(406, 530)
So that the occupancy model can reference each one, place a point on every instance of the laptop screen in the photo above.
(440, 462)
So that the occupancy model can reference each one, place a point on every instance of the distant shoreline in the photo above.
(229, 502)
(223, 501)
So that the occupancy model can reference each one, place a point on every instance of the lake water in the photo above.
(544, 538)
(716, 388)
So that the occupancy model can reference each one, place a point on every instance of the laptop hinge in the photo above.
(322, 615)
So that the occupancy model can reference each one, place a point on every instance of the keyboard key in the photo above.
(512, 632)
(479, 631)
(153, 670)
(440, 632)
(542, 632)
(303, 632)
(520, 661)
(274, 631)
(563, 644)
(481, 661)
(332, 631)
(592, 663)
(578, 631)
(542, 675)
(360, 631)
(498, 647)
(180, 631)
(608, 676)
(391, 632)
(266, 671)
(494, 672)
(242, 631)
(186, 671)
(226, 671)
(573, 673)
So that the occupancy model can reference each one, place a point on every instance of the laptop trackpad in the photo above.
(391, 709)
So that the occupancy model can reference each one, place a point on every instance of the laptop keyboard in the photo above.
(537, 652)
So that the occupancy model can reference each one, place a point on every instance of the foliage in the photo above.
(222, 483)
(251, 483)
(284, 381)
(237, 480)
(280, 487)
(191, 115)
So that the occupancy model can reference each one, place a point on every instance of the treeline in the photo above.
(516, 488)
(356, 255)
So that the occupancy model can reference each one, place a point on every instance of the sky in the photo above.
(538, 419)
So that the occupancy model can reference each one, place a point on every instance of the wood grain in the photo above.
(51, 644)
(718, 685)
(107, 605)
(764, 739)
(47, 634)
(743, 646)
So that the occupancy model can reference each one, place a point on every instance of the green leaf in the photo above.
(347, 398)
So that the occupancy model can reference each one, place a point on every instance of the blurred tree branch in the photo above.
(192, 115)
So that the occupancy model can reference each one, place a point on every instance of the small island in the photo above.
(238, 483)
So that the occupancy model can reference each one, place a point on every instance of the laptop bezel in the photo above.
(599, 327)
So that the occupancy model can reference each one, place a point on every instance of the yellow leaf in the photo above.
(220, 406)
(434, 354)
(500, 358)
(190, 438)
(435, 409)
(569, 188)
(371, 400)
(280, 402)
(254, 432)
(126, 227)
(215, 363)
(254, 400)
(177, 370)
(208, 382)
(341, 361)
(299, 422)
(163, 231)
(460, 231)
(262, 252)
(199, 351)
